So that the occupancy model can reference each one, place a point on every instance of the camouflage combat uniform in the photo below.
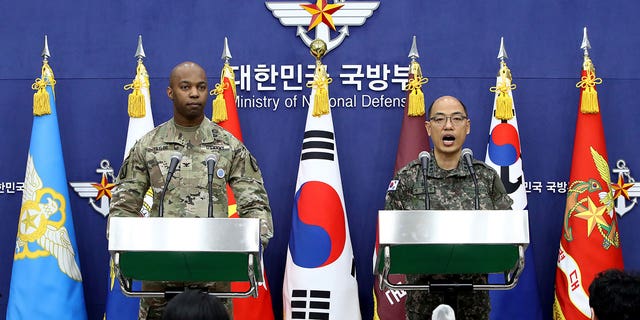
(187, 194)
(448, 190)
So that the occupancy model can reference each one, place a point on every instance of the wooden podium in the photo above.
(452, 242)
(186, 250)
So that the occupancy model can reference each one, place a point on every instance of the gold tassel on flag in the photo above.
(589, 100)
(41, 103)
(504, 102)
(137, 107)
(219, 112)
(321, 83)
(219, 105)
(321, 79)
(416, 97)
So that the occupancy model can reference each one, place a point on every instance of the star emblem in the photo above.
(104, 187)
(621, 188)
(321, 12)
(593, 215)
(30, 221)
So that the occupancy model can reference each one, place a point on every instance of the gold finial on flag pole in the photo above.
(137, 106)
(219, 112)
(41, 103)
(588, 81)
(504, 101)
(321, 79)
(415, 101)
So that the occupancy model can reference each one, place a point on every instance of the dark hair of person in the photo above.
(195, 305)
(615, 295)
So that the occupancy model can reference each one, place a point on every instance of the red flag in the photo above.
(390, 304)
(250, 308)
(590, 242)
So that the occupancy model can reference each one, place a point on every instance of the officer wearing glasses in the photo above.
(450, 187)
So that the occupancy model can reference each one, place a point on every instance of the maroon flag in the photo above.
(390, 304)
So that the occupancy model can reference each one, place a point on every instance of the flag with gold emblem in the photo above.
(590, 241)
(46, 282)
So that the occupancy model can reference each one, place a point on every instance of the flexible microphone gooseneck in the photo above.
(424, 157)
(175, 159)
(211, 159)
(467, 155)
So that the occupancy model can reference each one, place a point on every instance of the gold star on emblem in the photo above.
(593, 215)
(29, 221)
(321, 12)
(104, 187)
(621, 188)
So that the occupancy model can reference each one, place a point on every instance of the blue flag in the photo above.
(45, 282)
(119, 306)
(504, 155)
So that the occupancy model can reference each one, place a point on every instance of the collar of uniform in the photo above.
(206, 136)
(436, 172)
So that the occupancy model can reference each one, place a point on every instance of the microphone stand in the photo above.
(467, 155)
(164, 191)
(425, 157)
(175, 160)
(211, 163)
(427, 205)
(477, 195)
(210, 187)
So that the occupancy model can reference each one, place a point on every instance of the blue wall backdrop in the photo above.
(93, 42)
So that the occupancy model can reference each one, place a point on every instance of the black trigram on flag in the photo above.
(318, 144)
(310, 304)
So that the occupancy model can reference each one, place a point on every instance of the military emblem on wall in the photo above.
(323, 17)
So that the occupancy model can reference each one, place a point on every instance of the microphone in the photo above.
(211, 160)
(424, 157)
(175, 159)
(467, 155)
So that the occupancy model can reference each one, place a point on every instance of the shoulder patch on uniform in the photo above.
(393, 185)
(123, 168)
(254, 163)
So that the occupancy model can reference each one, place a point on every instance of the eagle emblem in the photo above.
(323, 17)
(41, 226)
(580, 205)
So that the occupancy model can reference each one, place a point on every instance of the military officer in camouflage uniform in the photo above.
(190, 133)
(450, 187)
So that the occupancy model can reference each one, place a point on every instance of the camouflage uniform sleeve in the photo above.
(246, 182)
(131, 185)
(501, 200)
(393, 199)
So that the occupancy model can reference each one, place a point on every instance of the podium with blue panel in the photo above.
(452, 242)
(186, 250)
